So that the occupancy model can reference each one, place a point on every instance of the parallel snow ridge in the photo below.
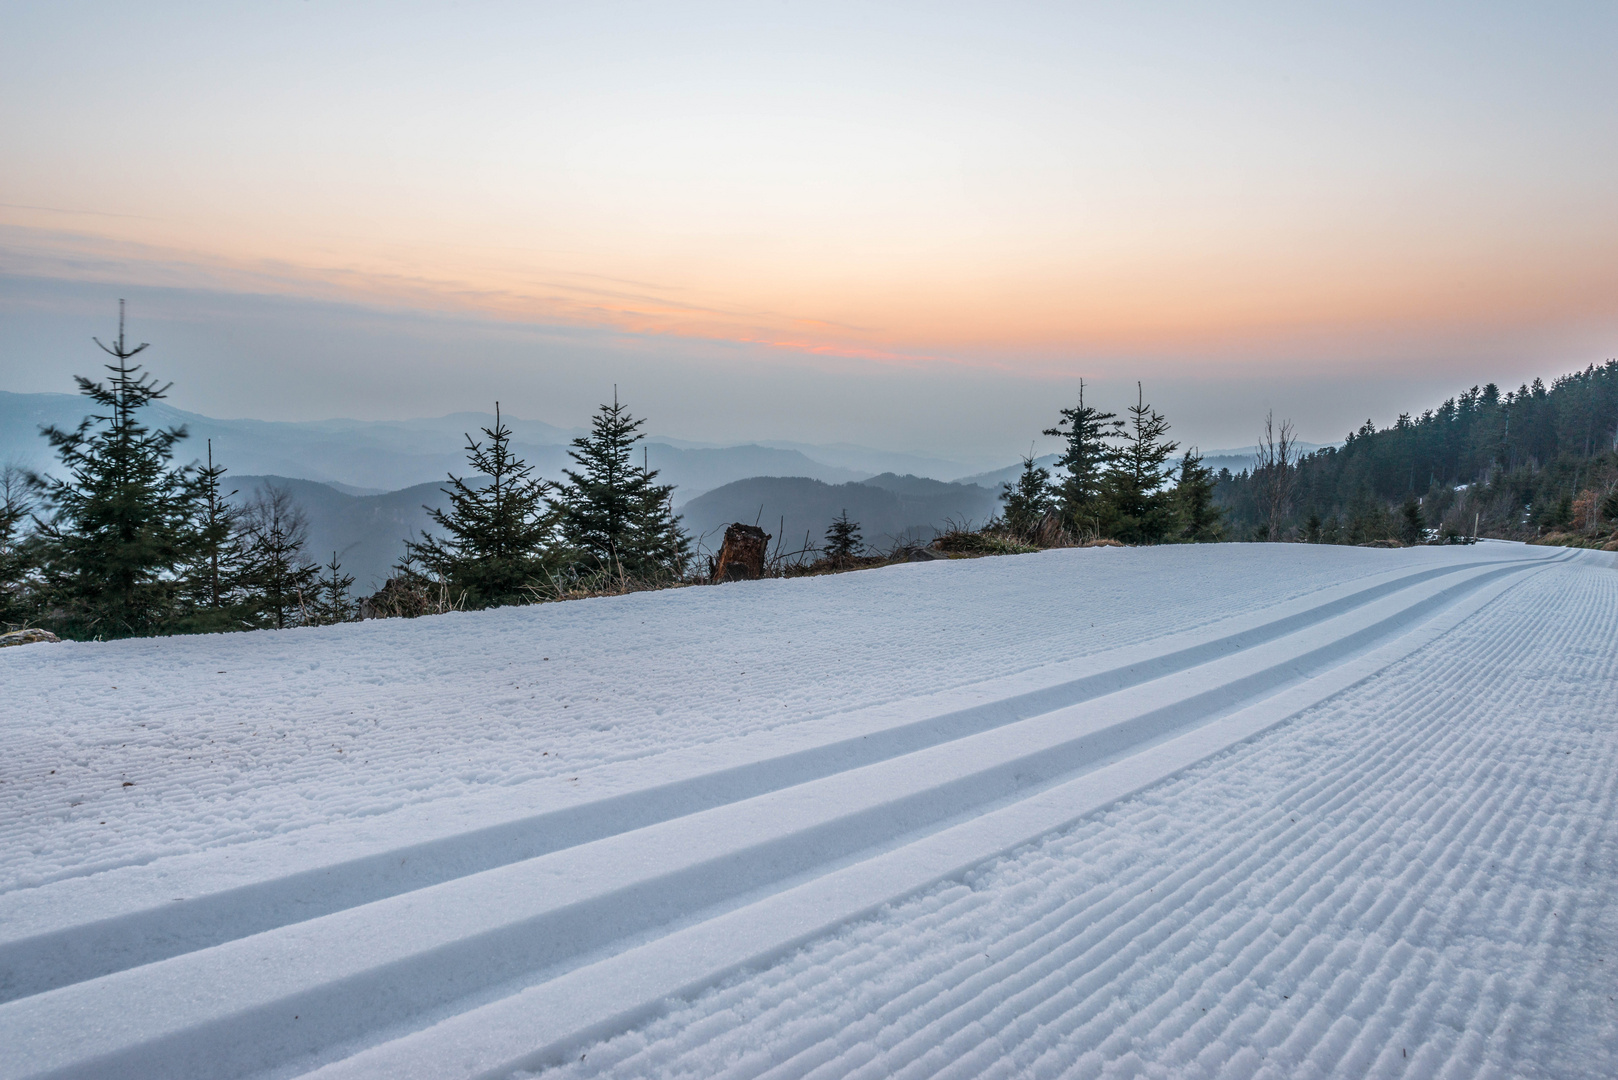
(1412, 704)
(1404, 881)
(78, 951)
(230, 738)
(332, 978)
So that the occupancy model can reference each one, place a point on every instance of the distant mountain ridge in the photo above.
(364, 484)
(888, 507)
(367, 532)
(389, 455)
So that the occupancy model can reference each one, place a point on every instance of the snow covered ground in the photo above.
(1210, 811)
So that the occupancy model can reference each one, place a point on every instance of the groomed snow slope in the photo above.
(1232, 810)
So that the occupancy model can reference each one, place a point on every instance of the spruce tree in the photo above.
(119, 521)
(659, 546)
(501, 534)
(16, 557)
(1411, 525)
(616, 517)
(279, 583)
(1028, 503)
(210, 578)
(1137, 508)
(843, 540)
(1085, 459)
(1200, 521)
(332, 603)
(1557, 514)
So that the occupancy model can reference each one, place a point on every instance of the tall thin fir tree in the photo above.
(117, 526)
(333, 604)
(1200, 520)
(1137, 507)
(501, 536)
(210, 580)
(1089, 434)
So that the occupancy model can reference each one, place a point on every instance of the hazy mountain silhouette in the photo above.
(887, 507)
(387, 455)
(366, 531)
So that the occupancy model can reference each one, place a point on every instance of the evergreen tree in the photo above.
(1084, 460)
(280, 585)
(614, 516)
(1138, 510)
(501, 533)
(332, 603)
(1200, 521)
(659, 546)
(1411, 526)
(1368, 520)
(210, 578)
(843, 540)
(1609, 506)
(119, 522)
(1558, 513)
(16, 558)
(1028, 503)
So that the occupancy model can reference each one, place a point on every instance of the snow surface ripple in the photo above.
(229, 738)
(1410, 880)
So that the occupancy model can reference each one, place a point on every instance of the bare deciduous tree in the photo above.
(281, 582)
(1275, 467)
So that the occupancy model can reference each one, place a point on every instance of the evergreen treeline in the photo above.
(510, 537)
(1118, 480)
(127, 543)
(124, 542)
(1531, 462)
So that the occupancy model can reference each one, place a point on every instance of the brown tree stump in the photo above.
(742, 556)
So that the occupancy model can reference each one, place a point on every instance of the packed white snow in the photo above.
(1423, 868)
(1362, 820)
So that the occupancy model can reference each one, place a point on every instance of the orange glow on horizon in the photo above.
(1048, 313)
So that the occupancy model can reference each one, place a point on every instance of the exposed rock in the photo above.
(925, 555)
(26, 637)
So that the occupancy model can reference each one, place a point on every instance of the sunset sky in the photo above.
(912, 226)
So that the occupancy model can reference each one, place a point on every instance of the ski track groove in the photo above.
(145, 936)
(1480, 835)
(1335, 897)
(374, 695)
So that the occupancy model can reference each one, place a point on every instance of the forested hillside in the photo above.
(1515, 465)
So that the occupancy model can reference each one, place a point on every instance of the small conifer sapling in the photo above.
(843, 540)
